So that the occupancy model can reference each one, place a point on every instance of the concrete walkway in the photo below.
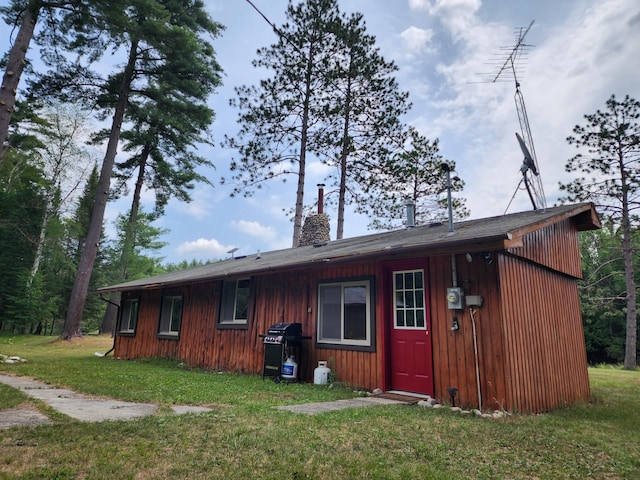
(90, 409)
(322, 407)
(78, 406)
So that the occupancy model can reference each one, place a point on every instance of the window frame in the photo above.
(416, 306)
(128, 332)
(165, 324)
(230, 321)
(367, 345)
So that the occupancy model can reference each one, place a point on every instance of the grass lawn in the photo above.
(244, 437)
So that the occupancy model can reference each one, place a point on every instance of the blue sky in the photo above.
(582, 52)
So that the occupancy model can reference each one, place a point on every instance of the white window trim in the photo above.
(234, 320)
(368, 342)
(126, 310)
(166, 322)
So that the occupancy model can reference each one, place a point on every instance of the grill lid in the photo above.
(286, 329)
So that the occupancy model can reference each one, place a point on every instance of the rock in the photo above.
(425, 404)
(12, 359)
(376, 391)
(466, 412)
(455, 409)
(315, 230)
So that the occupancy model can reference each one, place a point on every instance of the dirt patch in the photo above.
(22, 416)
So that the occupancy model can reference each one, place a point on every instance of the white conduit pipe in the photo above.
(475, 348)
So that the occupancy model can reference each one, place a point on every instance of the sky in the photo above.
(581, 52)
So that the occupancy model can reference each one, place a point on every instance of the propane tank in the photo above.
(290, 369)
(321, 373)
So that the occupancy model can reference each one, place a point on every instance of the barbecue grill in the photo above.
(277, 343)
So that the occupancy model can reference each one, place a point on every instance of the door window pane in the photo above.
(410, 302)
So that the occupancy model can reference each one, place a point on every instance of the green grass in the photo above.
(244, 437)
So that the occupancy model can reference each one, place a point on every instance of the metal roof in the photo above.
(494, 233)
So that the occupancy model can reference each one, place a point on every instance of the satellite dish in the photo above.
(528, 162)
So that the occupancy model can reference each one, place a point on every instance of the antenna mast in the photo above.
(530, 170)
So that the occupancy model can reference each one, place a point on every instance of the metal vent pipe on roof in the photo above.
(447, 169)
(410, 207)
(320, 198)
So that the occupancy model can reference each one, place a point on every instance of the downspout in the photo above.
(98, 354)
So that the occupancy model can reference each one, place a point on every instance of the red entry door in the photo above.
(411, 356)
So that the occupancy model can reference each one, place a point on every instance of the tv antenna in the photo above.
(529, 169)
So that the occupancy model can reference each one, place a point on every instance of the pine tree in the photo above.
(278, 119)
(24, 14)
(415, 173)
(610, 166)
(167, 57)
(363, 105)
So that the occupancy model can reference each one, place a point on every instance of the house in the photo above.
(490, 308)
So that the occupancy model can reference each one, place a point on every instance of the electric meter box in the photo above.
(454, 298)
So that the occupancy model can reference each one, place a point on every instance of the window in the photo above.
(344, 314)
(128, 315)
(234, 302)
(170, 315)
(409, 312)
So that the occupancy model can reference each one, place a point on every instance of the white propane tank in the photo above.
(321, 373)
(290, 369)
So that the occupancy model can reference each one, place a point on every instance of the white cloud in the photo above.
(570, 72)
(201, 203)
(254, 229)
(419, 4)
(417, 39)
(458, 16)
(203, 248)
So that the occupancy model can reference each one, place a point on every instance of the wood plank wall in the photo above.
(453, 351)
(545, 356)
(284, 297)
(357, 368)
(555, 246)
(530, 343)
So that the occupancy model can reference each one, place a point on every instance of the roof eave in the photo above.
(449, 246)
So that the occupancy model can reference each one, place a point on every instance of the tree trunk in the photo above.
(111, 312)
(297, 219)
(343, 160)
(73, 319)
(110, 317)
(630, 360)
(41, 238)
(15, 66)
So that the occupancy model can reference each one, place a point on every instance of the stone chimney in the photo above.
(316, 228)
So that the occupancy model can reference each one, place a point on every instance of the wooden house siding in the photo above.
(545, 358)
(528, 353)
(454, 351)
(554, 246)
(544, 339)
(285, 297)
